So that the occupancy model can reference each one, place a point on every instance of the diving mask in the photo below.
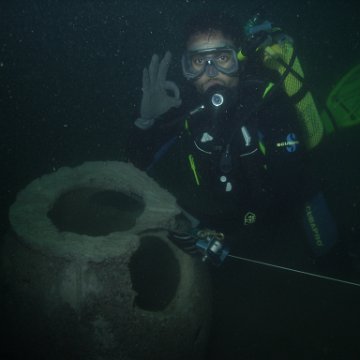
(210, 61)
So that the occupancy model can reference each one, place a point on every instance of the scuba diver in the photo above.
(235, 151)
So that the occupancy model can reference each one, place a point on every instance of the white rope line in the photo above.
(295, 271)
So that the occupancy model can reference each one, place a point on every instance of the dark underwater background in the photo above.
(70, 88)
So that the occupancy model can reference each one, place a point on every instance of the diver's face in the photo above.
(205, 41)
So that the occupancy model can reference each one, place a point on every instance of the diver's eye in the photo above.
(198, 60)
(222, 58)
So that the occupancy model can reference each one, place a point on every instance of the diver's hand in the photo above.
(257, 42)
(159, 94)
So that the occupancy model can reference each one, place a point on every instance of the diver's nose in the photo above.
(211, 70)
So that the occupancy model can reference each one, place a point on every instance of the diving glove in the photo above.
(159, 94)
(260, 35)
(252, 45)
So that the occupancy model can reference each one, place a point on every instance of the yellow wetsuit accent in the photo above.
(193, 168)
(262, 148)
(306, 108)
(186, 125)
(268, 88)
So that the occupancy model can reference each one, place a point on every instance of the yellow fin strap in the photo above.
(306, 108)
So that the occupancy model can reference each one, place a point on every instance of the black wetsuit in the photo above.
(265, 177)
